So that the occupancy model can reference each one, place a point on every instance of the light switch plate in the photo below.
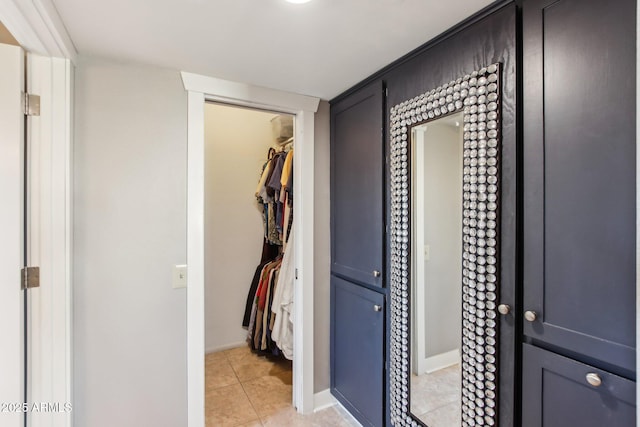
(179, 276)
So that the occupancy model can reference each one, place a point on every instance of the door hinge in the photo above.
(31, 104)
(29, 278)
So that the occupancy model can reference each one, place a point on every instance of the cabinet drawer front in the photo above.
(557, 393)
(357, 352)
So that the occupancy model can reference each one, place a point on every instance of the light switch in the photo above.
(427, 252)
(179, 276)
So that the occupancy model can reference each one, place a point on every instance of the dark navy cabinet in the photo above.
(561, 392)
(357, 184)
(357, 254)
(357, 374)
(578, 213)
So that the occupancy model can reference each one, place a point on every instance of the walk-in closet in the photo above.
(249, 269)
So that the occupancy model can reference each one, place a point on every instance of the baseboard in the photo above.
(225, 347)
(323, 399)
(442, 360)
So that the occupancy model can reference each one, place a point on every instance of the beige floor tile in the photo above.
(229, 407)
(238, 352)
(214, 357)
(219, 374)
(445, 416)
(250, 366)
(288, 417)
(256, 423)
(434, 390)
(263, 395)
(349, 419)
(285, 417)
(269, 394)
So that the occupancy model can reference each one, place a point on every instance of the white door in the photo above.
(12, 369)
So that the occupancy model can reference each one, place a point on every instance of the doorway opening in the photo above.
(201, 89)
(249, 269)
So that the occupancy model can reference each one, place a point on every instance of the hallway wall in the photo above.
(130, 154)
(130, 159)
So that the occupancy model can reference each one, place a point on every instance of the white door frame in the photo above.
(11, 230)
(201, 89)
(418, 259)
(36, 25)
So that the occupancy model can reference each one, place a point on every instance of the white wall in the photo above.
(236, 144)
(130, 364)
(129, 229)
(322, 248)
(443, 233)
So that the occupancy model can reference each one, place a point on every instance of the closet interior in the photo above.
(249, 263)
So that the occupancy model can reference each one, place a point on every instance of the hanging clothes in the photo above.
(282, 306)
(274, 194)
(268, 312)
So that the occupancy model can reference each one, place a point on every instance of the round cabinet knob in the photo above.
(376, 273)
(531, 316)
(377, 308)
(504, 309)
(594, 379)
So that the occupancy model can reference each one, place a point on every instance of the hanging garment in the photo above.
(259, 334)
(261, 191)
(282, 305)
(269, 253)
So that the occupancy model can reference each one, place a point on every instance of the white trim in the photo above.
(38, 28)
(50, 305)
(420, 317)
(303, 107)
(195, 261)
(303, 181)
(36, 25)
(11, 225)
(323, 400)
(243, 94)
(441, 361)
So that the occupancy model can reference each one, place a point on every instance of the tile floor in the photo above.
(247, 390)
(435, 397)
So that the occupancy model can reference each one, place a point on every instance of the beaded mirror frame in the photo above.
(477, 95)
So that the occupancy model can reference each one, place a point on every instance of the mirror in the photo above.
(444, 216)
(436, 276)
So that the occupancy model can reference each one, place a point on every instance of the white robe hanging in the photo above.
(282, 305)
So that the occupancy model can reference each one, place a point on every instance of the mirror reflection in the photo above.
(436, 271)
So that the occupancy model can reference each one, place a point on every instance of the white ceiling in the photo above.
(319, 48)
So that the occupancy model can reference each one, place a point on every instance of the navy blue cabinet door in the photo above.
(357, 186)
(357, 353)
(579, 178)
(561, 392)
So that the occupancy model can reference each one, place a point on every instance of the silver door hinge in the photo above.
(31, 104)
(29, 278)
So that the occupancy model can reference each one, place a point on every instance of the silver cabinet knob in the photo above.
(531, 316)
(376, 273)
(594, 379)
(377, 307)
(504, 309)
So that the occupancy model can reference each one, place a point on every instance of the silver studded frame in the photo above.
(478, 96)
